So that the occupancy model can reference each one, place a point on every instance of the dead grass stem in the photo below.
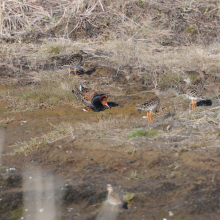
(59, 133)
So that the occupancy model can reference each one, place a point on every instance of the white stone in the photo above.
(170, 213)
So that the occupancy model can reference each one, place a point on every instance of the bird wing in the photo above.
(74, 60)
(88, 93)
(199, 82)
(193, 92)
(150, 102)
(84, 95)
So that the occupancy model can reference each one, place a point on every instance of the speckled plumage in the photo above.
(151, 103)
(75, 60)
(199, 81)
(193, 92)
(84, 95)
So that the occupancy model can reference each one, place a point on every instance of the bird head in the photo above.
(157, 92)
(204, 75)
(187, 80)
(81, 52)
(109, 187)
(104, 100)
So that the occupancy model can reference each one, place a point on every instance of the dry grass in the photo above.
(120, 122)
(150, 40)
(7, 120)
(63, 130)
(152, 44)
(203, 127)
(142, 57)
(60, 132)
(147, 42)
(48, 90)
(172, 61)
(20, 17)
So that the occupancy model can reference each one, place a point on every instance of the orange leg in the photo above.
(86, 107)
(149, 117)
(69, 72)
(193, 104)
(76, 74)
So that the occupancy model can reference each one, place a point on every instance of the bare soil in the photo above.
(174, 174)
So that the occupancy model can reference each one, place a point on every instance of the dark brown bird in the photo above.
(91, 99)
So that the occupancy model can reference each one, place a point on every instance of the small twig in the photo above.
(74, 28)
(212, 120)
(135, 34)
(91, 23)
(50, 142)
(140, 93)
(71, 131)
(1, 17)
(88, 12)
(214, 108)
(101, 5)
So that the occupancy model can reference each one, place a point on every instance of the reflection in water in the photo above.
(107, 212)
(2, 137)
(39, 195)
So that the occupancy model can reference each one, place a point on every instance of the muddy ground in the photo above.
(168, 169)
(177, 175)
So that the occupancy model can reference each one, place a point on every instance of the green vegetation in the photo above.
(168, 79)
(192, 77)
(190, 29)
(106, 21)
(128, 197)
(142, 132)
(133, 176)
(17, 213)
(135, 17)
(55, 49)
(48, 93)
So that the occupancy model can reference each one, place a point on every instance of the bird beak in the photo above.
(107, 105)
